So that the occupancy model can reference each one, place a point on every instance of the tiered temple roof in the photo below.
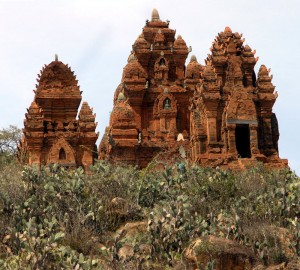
(52, 134)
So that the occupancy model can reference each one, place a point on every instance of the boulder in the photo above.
(220, 253)
(119, 205)
(132, 229)
(126, 252)
(132, 234)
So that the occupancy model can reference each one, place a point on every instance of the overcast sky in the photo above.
(95, 38)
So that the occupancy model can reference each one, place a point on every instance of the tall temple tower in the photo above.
(52, 134)
(151, 103)
(232, 118)
(220, 114)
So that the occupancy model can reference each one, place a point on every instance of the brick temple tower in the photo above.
(52, 134)
(151, 103)
(218, 114)
(231, 110)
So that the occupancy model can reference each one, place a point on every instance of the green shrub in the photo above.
(54, 218)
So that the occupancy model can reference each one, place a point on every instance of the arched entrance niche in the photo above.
(61, 153)
(165, 111)
(161, 69)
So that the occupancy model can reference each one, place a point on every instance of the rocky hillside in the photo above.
(178, 217)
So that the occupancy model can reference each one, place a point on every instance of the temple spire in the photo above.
(155, 15)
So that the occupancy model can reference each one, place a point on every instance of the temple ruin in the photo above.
(52, 134)
(217, 114)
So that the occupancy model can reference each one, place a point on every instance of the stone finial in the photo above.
(180, 137)
(131, 58)
(86, 113)
(237, 35)
(193, 69)
(227, 29)
(121, 97)
(34, 109)
(56, 57)
(264, 80)
(180, 43)
(209, 73)
(193, 58)
(248, 48)
(155, 15)
(140, 43)
(263, 71)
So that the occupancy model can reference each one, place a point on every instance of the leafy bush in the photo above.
(9, 140)
(59, 219)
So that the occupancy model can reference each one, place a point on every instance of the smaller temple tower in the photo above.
(52, 134)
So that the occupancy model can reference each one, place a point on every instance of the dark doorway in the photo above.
(62, 154)
(242, 141)
(162, 62)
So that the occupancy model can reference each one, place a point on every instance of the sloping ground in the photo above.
(181, 217)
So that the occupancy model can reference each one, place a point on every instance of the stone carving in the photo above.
(52, 134)
(223, 110)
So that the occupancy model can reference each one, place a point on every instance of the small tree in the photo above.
(9, 139)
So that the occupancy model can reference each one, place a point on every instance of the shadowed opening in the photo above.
(167, 103)
(162, 62)
(62, 154)
(242, 140)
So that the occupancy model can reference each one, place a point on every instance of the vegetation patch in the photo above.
(125, 218)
